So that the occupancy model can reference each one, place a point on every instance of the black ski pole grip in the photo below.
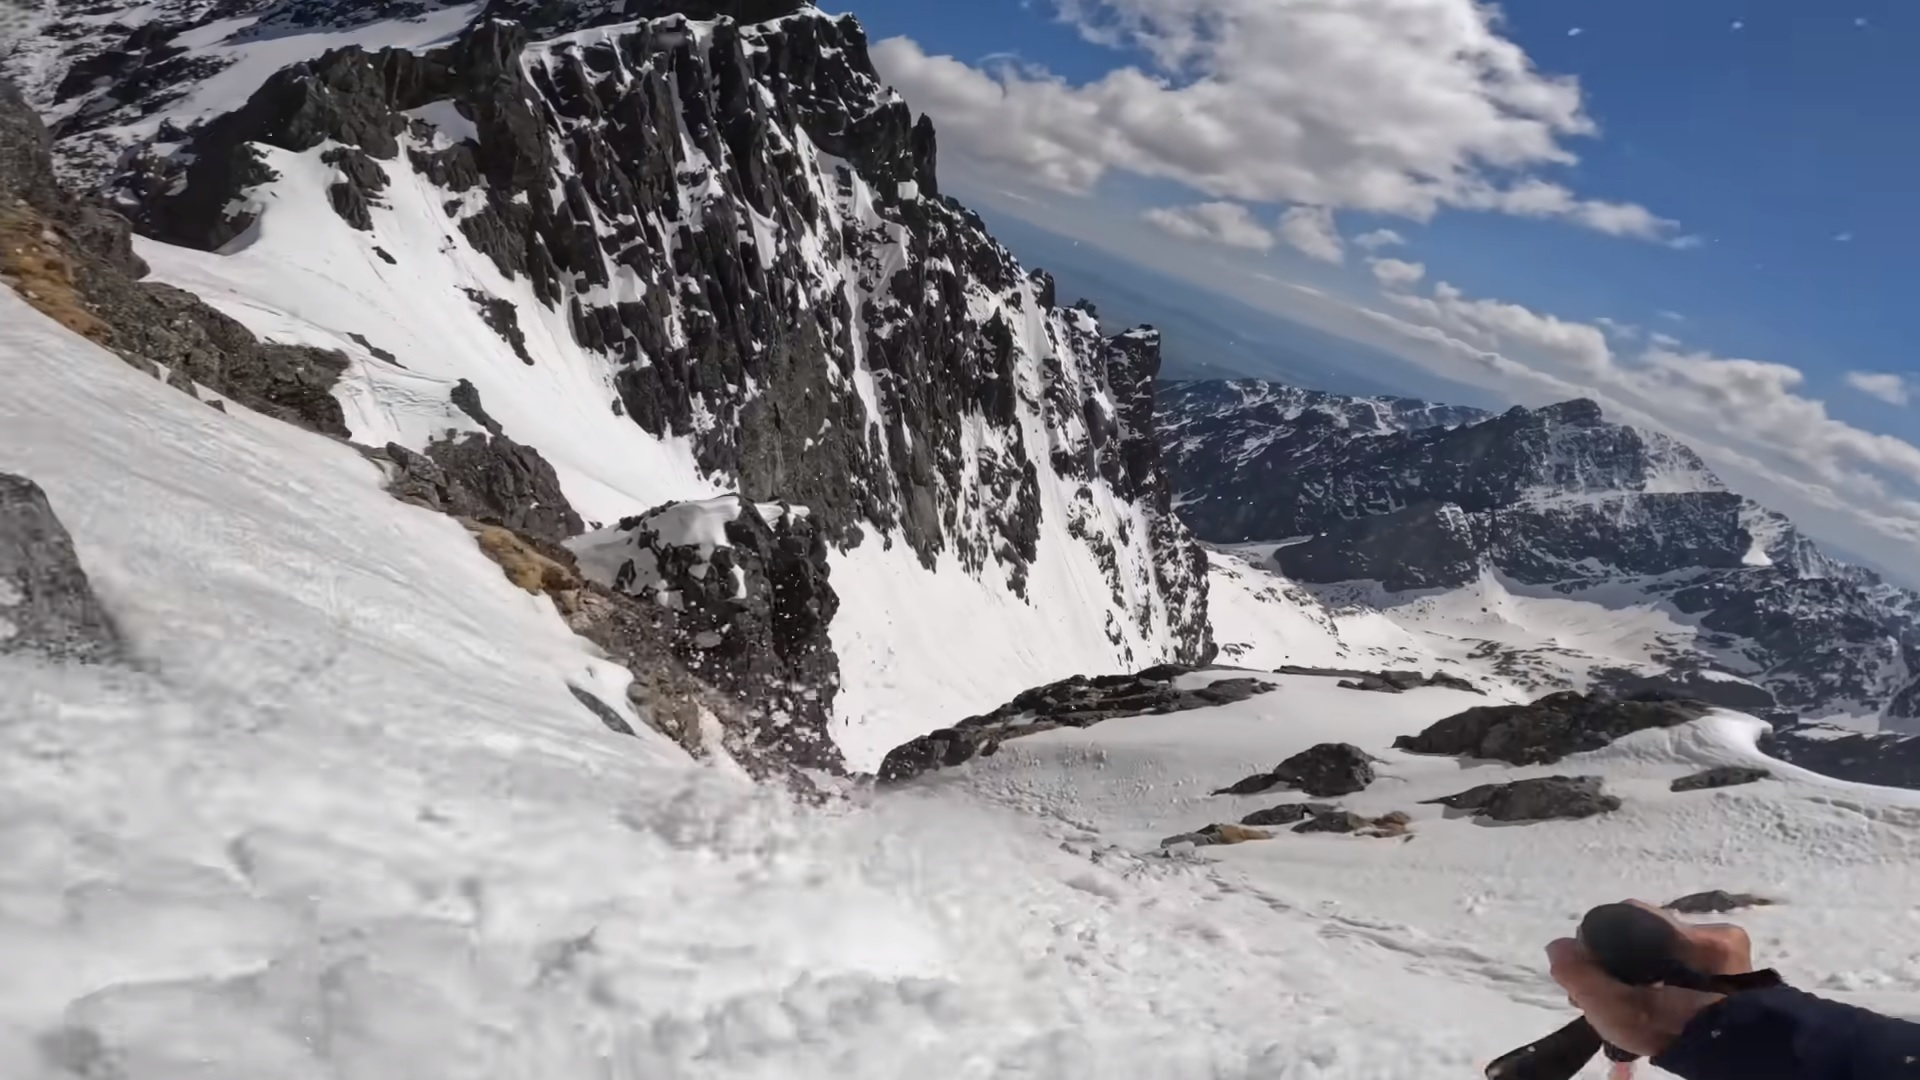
(1630, 943)
(1635, 946)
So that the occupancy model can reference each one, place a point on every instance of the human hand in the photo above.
(1645, 1020)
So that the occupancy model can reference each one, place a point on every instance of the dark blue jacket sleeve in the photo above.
(1785, 1034)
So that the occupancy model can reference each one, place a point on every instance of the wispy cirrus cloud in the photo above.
(1892, 389)
(1218, 222)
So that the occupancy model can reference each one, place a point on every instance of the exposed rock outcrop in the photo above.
(1720, 776)
(1325, 770)
(1080, 701)
(1546, 730)
(648, 639)
(489, 478)
(47, 605)
(73, 260)
(1540, 799)
(748, 589)
(1383, 682)
(1692, 684)
(1428, 546)
(1889, 759)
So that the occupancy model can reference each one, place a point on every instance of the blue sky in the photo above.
(1698, 213)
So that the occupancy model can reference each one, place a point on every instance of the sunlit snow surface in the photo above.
(344, 821)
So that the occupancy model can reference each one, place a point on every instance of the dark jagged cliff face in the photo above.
(677, 256)
(1419, 496)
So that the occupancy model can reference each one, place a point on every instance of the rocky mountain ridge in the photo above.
(1416, 497)
(651, 226)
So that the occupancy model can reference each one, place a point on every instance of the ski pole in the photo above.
(1637, 947)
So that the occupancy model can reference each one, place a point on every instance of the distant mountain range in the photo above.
(1207, 334)
(1413, 496)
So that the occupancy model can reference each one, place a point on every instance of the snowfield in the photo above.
(344, 821)
(1515, 642)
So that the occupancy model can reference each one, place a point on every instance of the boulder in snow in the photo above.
(1715, 902)
(1218, 834)
(1539, 799)
(1392, 823)
(47, 606)
(1328, 769)
(1080, 701)
(1346, 821)
(1333, 821)
(1720, 776)
(1286, 814)
(1546, 730)
(1325, 770)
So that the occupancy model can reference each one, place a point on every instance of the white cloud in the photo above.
(1387, 106)
(1752, 418)
(1671, 316)
(1311, 231)
(1379, 238)
(1664, 341)
(1892, 389)
(1624, 330)
(1687, 242)
(1538, 198)
(1396, 273)
(1217, 222)
(1843, 238)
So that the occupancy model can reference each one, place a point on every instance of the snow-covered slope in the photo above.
(1470, 905)
(1581, 525)
(1513, 642)
(330, 827)
(679, 259)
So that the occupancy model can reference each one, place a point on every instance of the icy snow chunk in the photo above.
(907, 189)
(10, 594)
